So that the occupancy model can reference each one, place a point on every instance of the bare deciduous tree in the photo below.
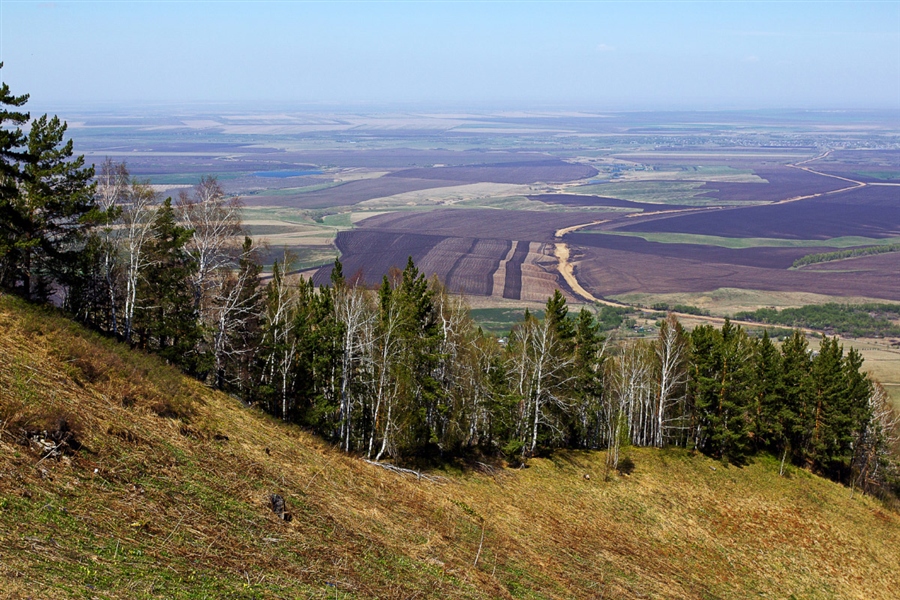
(138, 212)
(216, 223)
(112, 191)
(671, 354)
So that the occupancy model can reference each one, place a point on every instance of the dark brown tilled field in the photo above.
(465, 264)
(783, 183)
(520, 172)
(585, 200)
(869, 212)
(483, 223)
(888, 264)
(765, 257)
(607, 272)
(372, 254)
(473, 272)
(512, 287)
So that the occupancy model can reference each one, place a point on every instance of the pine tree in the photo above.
(828, 389)
(770, 415)
(587, 385)
(721, 389)
(557, 317)
(45, 204)
(797, 413)
(167, 320)
(13, 153)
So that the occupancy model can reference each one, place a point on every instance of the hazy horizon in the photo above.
(492, 56)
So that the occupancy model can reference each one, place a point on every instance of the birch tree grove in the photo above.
(355, 315)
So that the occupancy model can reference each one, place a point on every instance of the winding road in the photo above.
(567, 269)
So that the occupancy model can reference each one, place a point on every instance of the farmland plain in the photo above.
(681, 203)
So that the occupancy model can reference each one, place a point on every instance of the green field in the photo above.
(883, 175)
(695, 173)
(661, 192)
(499, 321)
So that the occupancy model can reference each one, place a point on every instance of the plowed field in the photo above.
(783, 183)
(765, 257)
(872, 211)
(586, 200)
(522, 172)
(482, 223)
(608, 272)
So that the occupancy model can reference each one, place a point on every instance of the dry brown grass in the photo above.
(176, 506)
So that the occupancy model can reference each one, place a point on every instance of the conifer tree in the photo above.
(721, 388)
(770, 416)
(43, 223)
(587, 385)
(796, 415)
(13, 152)
(828, 389)
(167, 320)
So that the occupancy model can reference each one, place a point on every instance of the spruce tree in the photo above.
(587, 384)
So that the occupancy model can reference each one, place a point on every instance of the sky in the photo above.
(461, 55)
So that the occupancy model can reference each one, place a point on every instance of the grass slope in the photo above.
(167, 498)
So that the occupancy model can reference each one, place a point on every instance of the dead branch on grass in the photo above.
(418, 474)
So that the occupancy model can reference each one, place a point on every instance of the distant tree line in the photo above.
(402, 371)
(857, 320)
(821, 257)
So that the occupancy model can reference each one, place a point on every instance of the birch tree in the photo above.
(354, 313)
(234, 304)
(216, 223)
(138, 212)
(874, 452)
(113, 185)
(279, 341)
(671, 355)
(540, 370)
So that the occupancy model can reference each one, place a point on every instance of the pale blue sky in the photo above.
(584, 55)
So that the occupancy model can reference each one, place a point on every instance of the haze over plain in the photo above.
(596, 55)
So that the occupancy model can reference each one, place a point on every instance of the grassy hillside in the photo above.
(167, 497)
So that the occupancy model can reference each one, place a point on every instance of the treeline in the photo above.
(811, 259)
(402, 371)
(857, 320)
(685, 309)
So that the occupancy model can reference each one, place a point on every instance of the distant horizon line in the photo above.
(422, 107)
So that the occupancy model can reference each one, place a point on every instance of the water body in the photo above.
(286, 174)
